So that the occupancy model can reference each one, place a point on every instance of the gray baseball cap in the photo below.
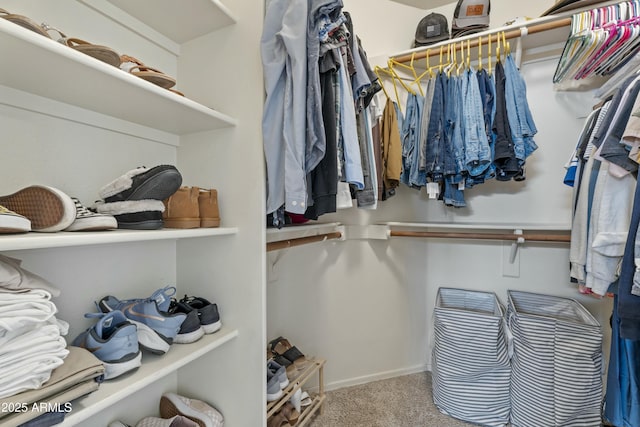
(431, 29)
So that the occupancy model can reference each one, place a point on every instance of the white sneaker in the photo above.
(11, 222)
(205, 415)
(48, 208)
(87, 220)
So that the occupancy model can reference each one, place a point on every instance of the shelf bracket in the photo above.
(515, 245)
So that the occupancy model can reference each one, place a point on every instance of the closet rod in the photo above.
(473, 42)
(563, 238)
(283, 244)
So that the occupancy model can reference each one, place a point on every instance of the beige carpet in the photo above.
(397, 402)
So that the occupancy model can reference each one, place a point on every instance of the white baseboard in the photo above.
(376, 377)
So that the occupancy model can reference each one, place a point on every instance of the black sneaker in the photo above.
(191, 330)
(157, 183)
(207, 312)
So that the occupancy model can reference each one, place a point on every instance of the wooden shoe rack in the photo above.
(317, 366)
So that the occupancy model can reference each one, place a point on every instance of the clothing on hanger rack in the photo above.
(602, 40)
(317, 120)
(461, 125)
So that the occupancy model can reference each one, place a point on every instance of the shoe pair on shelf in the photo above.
(180, 411)
(152, 324)
(102, 53)
(126, 63)
(135, 198)
(192, 207)
(47, 209)
(287, 355)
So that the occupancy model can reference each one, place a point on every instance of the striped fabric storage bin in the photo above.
(557, 362)
(470, 361)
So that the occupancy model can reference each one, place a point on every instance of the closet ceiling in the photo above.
(425, 4)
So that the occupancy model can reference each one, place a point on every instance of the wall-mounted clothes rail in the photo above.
(555, 233)
(288, 243)
(529, 237)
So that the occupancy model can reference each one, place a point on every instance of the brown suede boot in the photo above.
(209, 212)
(181, 209)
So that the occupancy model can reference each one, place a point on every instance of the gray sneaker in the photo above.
(274, 391)
(278, 371)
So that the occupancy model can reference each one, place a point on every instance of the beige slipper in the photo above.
(139, 69)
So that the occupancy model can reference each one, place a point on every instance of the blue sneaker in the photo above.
(113, 340)
(156, 327)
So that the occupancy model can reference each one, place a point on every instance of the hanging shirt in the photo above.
(323, 180)
(391, 148)
(349, 134)
(284, 52)
(322, 16)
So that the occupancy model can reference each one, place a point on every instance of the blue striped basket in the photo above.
(470, 361)
(557, 362)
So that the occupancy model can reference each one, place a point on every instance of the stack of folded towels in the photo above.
(31, 338)
(38, 372)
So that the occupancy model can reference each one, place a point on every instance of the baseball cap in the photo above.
(470, 16)
(431, 29)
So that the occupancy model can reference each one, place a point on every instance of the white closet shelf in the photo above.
(34, 240)
(38, 65)
(153, 368)
(181, 21)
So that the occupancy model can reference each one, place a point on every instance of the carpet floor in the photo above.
(396, 402)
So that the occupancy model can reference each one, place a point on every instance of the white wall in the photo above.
(366, 305)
